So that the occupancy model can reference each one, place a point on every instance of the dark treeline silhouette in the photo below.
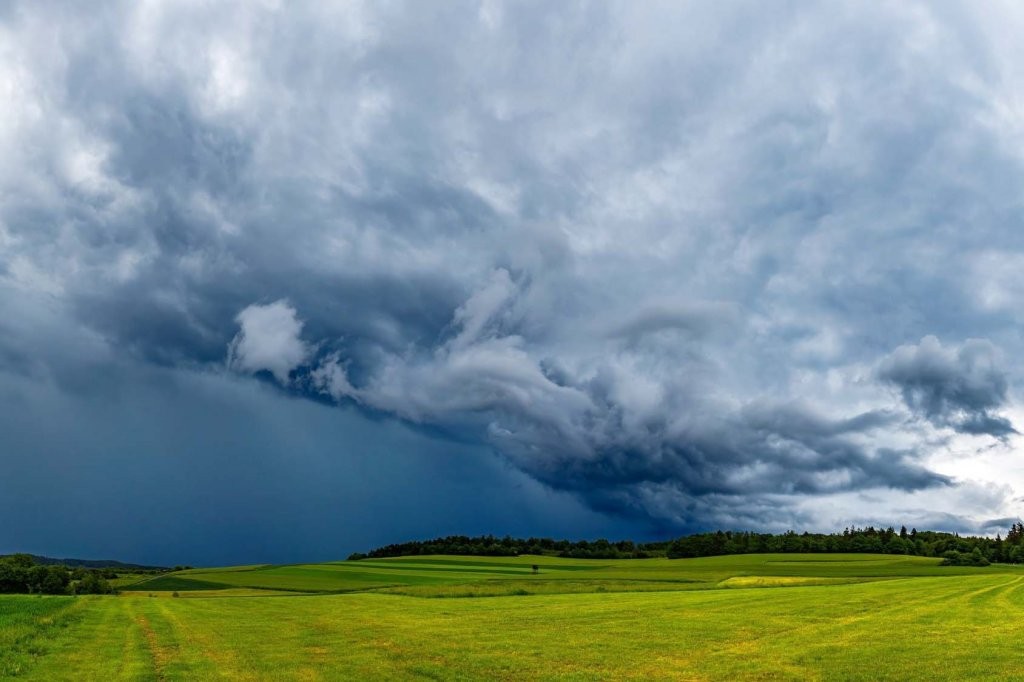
(20, 573)
(489, 545)
(94, 563)
(954, 549)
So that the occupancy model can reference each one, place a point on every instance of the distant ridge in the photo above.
(90, 563)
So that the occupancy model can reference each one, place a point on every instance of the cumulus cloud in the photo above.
(958, 387)
(269, 340)
(659, 276)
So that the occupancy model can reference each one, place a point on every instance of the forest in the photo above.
(953, 548)
(19, 573)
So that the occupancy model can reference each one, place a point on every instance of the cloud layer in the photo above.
(956, 387)
(697, 265)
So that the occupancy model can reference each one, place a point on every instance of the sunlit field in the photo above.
(865, 617)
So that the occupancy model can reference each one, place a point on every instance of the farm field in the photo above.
(433, 574)
(860, 617)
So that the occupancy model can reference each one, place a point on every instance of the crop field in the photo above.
(858, 617)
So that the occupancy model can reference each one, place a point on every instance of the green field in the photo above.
(865, 617)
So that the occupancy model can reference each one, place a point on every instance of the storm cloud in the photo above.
(956, 387)
(683, 262)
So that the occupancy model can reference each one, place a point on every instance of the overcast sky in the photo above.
(283, 280)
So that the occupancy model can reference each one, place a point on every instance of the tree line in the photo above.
(953, 548)
(19, 573)
(489, 545)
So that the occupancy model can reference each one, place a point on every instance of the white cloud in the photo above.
(269, 340)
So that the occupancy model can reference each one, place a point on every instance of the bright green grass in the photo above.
(522, 588)
(209, 594)
(123, 580)
(446, 571)
(363, 575)
(954, 628)
(26, 625)
(169, 583)
(858, 617)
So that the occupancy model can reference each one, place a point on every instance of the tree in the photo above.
(20, 560)
(92, 583)
(48, 579)
(56, 580)
(13, 578)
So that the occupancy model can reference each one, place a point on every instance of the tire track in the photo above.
(159, 653)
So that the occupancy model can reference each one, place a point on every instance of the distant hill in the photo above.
(92, 563)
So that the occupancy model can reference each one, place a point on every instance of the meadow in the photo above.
(857, 617)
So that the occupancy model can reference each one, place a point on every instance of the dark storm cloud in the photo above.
(647, 253)
(168, 468)
(956, 387)
(625, 440)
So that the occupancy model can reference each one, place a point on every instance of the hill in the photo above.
(90, 563)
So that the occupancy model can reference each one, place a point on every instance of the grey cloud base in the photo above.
(688, 262)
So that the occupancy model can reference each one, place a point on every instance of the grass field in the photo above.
(861, 617)
(441, 572)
